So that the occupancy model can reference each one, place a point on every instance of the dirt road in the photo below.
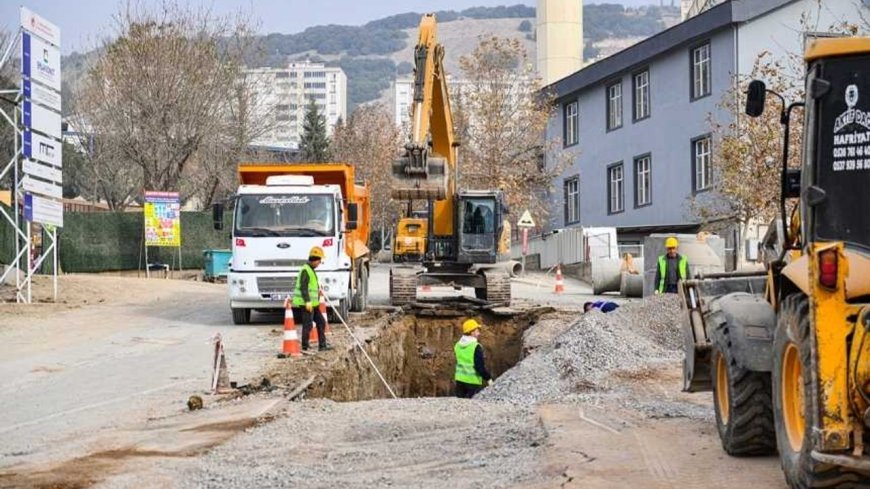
(93, 395)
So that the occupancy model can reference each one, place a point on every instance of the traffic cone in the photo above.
(560, 284)
(291, 346)
(322, 307)
(220, 381)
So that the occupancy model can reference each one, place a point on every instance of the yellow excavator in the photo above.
(465, 230)
(787, 352)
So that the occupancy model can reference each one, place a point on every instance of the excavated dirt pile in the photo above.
(592, 353)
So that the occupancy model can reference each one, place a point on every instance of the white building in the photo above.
(284, 93)
(403, 94)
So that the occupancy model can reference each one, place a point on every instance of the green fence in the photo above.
(106, 241)
(7, 238)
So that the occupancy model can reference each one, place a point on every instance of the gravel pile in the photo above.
(442, 442)
(584, 358)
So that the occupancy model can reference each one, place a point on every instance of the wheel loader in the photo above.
(786, 352)
(467, 234)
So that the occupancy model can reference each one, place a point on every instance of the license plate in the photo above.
(279, 297)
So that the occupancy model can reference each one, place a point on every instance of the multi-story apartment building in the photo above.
(282, 95)
(635, 128)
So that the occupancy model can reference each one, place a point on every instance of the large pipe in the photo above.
(631, 285)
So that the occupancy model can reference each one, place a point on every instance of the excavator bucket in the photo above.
(413, 182)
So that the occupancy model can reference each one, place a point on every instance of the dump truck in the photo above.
(786, 352)
(280, 212)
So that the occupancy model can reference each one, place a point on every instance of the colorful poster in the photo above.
(162, 219)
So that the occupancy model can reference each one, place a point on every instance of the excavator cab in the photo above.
(480, 217)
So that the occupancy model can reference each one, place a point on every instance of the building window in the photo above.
(319, 85)
(572, 132)
(572, 200)
(282, 74)
(641, 95)
(282, 108)
(615, 188)
(614, 106)
(702, 164)
(701, 71)
(642, 181)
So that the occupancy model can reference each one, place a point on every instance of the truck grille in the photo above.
(278, 262)
(276, 285)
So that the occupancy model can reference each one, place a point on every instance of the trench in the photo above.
(415, 355)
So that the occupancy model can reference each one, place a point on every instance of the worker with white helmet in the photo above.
(306, 299)
(471, 372)
(671, 268)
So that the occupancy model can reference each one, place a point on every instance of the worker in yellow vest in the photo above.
(471, 372)
(306, 299)
(672, 267)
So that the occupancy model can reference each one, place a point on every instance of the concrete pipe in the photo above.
(605, 275)
(631, 285)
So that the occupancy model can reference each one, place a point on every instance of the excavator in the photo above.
(467, 235)
(786, 352)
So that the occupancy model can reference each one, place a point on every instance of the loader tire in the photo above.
(793, 401)
(743, 405)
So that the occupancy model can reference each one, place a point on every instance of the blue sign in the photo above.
(28, 207)
(25, 47)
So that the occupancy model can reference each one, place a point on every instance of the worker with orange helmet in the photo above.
(672, 267)
(306, 298)
(471, 372)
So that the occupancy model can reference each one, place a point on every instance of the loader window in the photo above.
(285, 215)
(841, 120)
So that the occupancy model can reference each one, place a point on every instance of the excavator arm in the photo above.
(427, 169)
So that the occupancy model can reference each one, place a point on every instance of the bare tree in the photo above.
(161, 101)
(500, 116)
(748, 151)
(370, 141)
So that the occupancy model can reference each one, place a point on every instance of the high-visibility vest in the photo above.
(683, 266)
(313, 288)
(465, 371)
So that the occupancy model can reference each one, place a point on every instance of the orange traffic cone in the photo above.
(560, 284)
(322, 307)
(291, 346)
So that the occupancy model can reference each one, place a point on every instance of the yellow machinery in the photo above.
(787, 353)
(410, 242)
(465, 230)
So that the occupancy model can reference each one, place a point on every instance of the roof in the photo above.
(721, 16)
(844, 46)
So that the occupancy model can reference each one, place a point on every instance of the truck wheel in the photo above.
(793, 397)
(359, 298)
(742, 401)
(241, 315)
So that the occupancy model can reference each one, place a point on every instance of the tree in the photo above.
(314, 143)
(525, 26)
(371, 141)
(500, 117)
(748, 151)
(159, 98)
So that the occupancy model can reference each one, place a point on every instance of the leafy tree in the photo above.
(314, 143)
(525, 26)
(500, 117)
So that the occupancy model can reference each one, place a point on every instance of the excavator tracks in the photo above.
(403, 286)
(498, 288)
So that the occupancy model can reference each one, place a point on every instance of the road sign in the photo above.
(39, 26)
(526, 220)
(41, 95)
(41, 119)
(43, 171)
(42, 210)
(38, 147)
(40, 61)
(48, 189)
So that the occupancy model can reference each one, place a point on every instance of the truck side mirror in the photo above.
(755, 98)
(352, 213)
(217, 215)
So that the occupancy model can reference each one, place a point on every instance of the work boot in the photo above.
(325, 346)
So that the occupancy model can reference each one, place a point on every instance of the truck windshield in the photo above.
(285, 215)
(842, 120)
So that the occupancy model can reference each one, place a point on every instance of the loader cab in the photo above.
(480, 216)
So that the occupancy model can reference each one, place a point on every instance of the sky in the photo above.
(83, 23)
